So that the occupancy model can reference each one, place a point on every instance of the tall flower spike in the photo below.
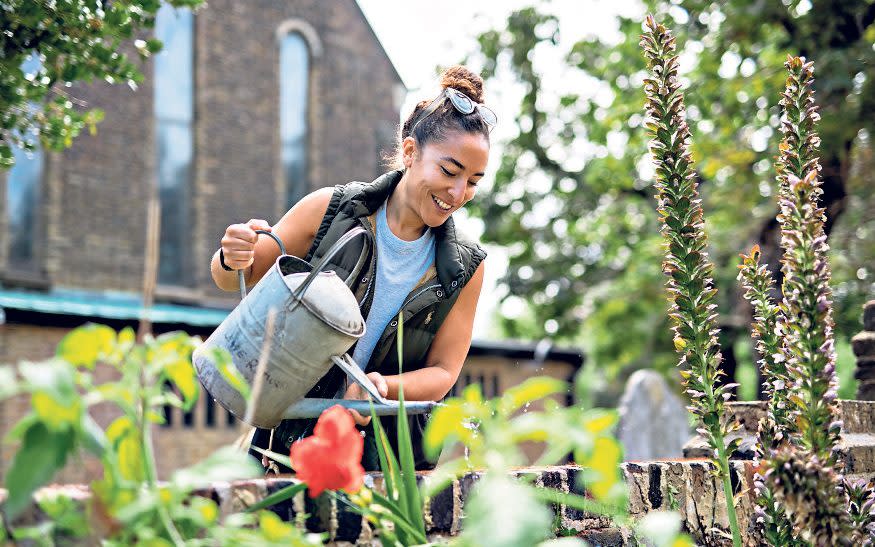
(686, 263)
(806, 324)
(774, 524)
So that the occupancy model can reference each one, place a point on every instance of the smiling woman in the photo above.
(418, 266)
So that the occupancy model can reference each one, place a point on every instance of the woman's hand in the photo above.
(238, 243)
(355, 392)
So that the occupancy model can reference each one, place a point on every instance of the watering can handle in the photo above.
(241, 278)
(333, 250)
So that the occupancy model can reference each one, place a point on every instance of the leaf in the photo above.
(604, 461)
(85, 345)
(181, 372)
(275, 456)
(125, 440)
(225, 464)
(405, 446)
(55, 399)
(273, 528)
(507, 513)
(600, 421)
(530, 390)
(473, 394)
(286, 493)
(447, 423)
(42, 453)
(55, 415)
(8, 382)
(660, 527)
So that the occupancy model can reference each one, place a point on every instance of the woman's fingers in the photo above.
(359, 419)
(258, 224)
(380, 383)
(238, 243)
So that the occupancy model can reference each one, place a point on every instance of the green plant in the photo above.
(802, 482)
(127, 505)
(686, 263)
(74, 41)
(492, 432)
(801, 495)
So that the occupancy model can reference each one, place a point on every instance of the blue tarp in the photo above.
(107, 305)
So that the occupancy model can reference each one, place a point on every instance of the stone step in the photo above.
(869, 315)
(863, 344)
(857, 442)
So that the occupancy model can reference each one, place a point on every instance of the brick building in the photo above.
(250, 106)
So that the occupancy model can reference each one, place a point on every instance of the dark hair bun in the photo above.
(462, 79)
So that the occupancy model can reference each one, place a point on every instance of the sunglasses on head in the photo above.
(462, 103)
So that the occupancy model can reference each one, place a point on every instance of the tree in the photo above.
(65, 41)
(572, 200)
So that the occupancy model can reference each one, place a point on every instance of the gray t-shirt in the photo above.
(400, 265)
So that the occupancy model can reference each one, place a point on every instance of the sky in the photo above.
(420, 36)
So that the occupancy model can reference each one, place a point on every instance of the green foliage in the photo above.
(570, 199)
(492, 432)
(75, 41)
(128, 502)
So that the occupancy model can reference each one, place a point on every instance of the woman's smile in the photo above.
(441, 204)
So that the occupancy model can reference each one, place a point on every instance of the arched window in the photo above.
(174, 128)
(294, 79)
(23, 184)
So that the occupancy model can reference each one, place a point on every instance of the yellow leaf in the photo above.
(679, 343)
(601, 423)
(208, 510)
(272, 527)
(85, 345)
(446, 422)
(165, 495)
(472, 394)
(56, 416)
(605, 462)
(181, 372)
(532, 389)
(124, 436)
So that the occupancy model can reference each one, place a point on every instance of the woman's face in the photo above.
(443, 175)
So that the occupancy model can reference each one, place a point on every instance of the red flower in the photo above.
(330, 459)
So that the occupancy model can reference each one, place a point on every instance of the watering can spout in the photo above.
(313, 408)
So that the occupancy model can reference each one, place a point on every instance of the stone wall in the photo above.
(863, 345)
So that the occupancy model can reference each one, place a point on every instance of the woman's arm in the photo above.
(255, 254)
(446, 356)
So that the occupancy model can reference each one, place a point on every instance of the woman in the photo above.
(420, 265)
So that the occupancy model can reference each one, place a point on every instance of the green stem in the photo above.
(723, 462)
(151, 474)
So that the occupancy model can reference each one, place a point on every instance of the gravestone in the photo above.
(654, 422)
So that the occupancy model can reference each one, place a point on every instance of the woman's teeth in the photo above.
(442, 204)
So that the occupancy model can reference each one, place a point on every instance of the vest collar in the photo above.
(370, 196)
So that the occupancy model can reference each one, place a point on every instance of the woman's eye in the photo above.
(472, 183)
(447, 173)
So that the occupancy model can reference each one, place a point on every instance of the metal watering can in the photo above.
(317, 320)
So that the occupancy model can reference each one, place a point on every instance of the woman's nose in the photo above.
(457, 191)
